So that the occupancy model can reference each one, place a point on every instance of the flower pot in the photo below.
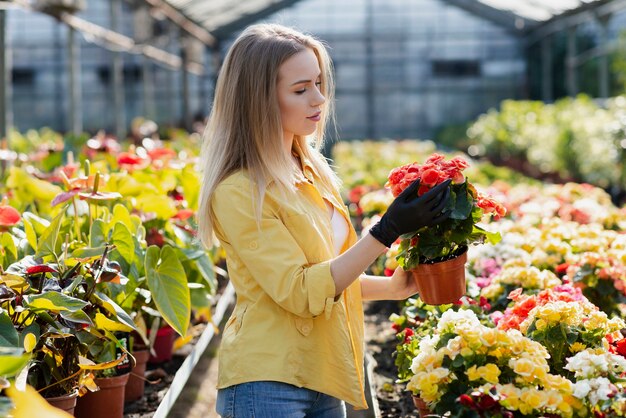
(66, 403)
(108, 402)
(136, 382)
(443, 282)
(422, 407)
(163, 345)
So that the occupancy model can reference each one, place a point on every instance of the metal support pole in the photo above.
(117, 71)
(571, 79)
(6, 109)
(369, 71)
(75, 114)
(546, 69)
(184, 79)
(148, 89)
(603, 63)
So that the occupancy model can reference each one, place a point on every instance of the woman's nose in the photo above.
(318, 99)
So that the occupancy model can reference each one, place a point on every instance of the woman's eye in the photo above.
(300, 91)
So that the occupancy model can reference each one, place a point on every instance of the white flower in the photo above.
(581, 389)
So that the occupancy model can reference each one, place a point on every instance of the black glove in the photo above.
(408, 212)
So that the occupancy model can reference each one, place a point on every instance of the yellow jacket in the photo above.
(287, 325)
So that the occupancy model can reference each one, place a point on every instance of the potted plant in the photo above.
(437, 254)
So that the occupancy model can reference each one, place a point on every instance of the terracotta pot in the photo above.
(66, 402)
(163, 345)
(108, 402)
(443, 282)
(136, 383)
(421, 406)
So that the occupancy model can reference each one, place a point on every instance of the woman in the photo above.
(293, 346)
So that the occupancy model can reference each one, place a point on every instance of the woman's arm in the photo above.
(407, 213)
(347, 267)
(399, 286)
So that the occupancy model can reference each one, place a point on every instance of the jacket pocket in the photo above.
(236, 319)
(304, 326)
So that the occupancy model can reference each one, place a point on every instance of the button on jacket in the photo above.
(287, 325)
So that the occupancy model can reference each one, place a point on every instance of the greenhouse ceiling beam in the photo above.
(249, 18)
(180, 19)
(582, 14)
(119, 41)
(514, 23)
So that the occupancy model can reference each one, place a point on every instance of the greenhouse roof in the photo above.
(538, 10)
(220, 17)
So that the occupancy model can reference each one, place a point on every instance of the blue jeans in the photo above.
(268, 399)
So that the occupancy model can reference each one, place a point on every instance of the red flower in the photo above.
(467, 400)
(162, 154)
(40, 268)
(126, 158)
(9, 216)
(183, 214)
(408, 333)
(620, 347)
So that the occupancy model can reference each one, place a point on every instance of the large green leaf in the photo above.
(39, 224)
(160, 204)
(97, 234)
(8, 334)
(54, 302)
(121, 214)
(123, 240)
(165, 277)
(31, 235)
(47, 244)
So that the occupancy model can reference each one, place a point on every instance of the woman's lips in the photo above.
(315, 117)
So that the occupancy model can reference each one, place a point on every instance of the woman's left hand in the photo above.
(402, 284)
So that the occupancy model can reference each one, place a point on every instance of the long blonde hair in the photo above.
(244, 130)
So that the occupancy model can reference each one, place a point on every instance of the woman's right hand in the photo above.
(408, 212)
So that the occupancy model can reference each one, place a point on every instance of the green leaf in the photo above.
(54, 302)
(38, 224)
(166, 280)
(462, 202)
(8, 333)
(10, 250)
(113, 308)
(78, 316)
(47, 244)
(121, 214)
(31, 235)
(160, 204)
(492, 237)
(12, 360)
(123, 240)
(88, 252)
(97, 234)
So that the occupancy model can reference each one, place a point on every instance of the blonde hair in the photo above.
(244, 130)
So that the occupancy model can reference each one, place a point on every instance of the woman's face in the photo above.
(299, 96)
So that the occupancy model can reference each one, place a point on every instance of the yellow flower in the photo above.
(489, 337)
(523, 366)
(489, 373)
(540, 324)
(511, 396)
(533, 398)
(576, 347)
(553, 399)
